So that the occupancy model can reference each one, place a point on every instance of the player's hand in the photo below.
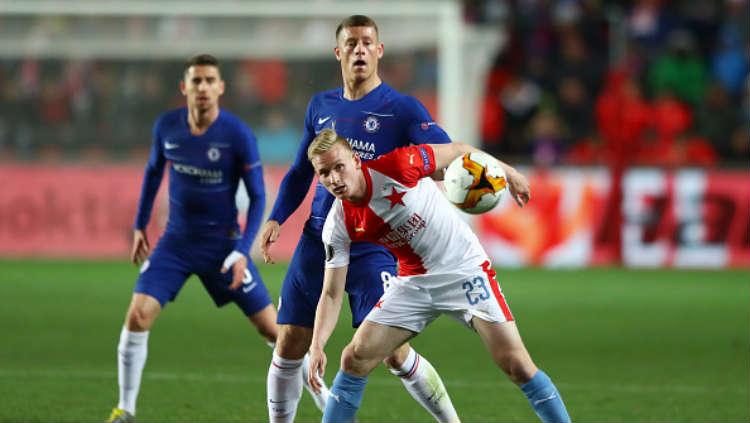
(141, 248)
(519, 186)
(317, 368)
(268, 235)
(238, 263)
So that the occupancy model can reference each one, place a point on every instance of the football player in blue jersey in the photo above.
(208, 151)
(375, 119)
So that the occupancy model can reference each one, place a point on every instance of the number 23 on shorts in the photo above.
(476, 290)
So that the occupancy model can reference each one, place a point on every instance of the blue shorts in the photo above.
(177, 257)
(303, 283)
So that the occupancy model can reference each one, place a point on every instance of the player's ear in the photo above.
(222, 86)
(357, 160)
(337, 53)
(381, 50)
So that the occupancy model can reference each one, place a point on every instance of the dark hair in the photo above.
(356, 20)
(202, 60)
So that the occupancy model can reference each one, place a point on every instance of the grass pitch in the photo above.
(621, 345)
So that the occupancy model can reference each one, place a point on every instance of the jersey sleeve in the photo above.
(420, 127)
(406, 165)
(251, 172)
(152, 177)
(298, 178)
(335, 237)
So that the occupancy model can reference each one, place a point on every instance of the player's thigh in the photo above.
(164, 273)
(265, 322)
(251, 297)
(302, 283)
(372, 343)
(367, 278)
(506, 347)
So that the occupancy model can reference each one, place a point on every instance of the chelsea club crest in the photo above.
(213, 154)
(372, 124)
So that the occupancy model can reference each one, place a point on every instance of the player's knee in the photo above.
(349, 360)
(139, 318)
(356, 359)
(292, 342)
(398, 357)
(265, 324)
(519, 367)
(269, 333)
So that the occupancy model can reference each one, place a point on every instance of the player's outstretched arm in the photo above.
(326, 316)
(517, 183)
(141, 248)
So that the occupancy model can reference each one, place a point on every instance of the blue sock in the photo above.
(545, 399)
(345, 399)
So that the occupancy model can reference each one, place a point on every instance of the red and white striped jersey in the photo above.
(407, 213)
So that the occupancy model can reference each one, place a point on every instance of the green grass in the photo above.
(621, 345)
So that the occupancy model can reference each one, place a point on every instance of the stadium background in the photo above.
(628, 271)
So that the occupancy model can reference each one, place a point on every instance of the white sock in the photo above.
(131, 357)
(425, 386)
(284, 389)
(322, 398)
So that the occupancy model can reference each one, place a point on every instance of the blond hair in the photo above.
(325, 141)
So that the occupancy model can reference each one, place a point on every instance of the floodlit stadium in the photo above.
(628, 272)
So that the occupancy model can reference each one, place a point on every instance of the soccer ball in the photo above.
(475, 182)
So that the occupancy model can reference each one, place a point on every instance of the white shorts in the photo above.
(412, 303)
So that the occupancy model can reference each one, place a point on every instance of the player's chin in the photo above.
(204, 102)
(339, 193)
(360, 71)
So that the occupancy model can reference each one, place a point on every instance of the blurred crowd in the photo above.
(578, 82)
(636, 82)
(95, 109)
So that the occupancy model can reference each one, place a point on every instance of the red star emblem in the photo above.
(379, 304)
(396, 197)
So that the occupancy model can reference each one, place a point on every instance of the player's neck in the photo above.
(359, 196)
(200, 120)
(354, 90)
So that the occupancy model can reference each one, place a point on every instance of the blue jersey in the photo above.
(204, 172)
(376, 124)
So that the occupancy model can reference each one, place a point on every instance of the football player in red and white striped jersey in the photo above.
(443, 269)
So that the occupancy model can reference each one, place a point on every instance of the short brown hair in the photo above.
(324, 141)
(356, 20)
(202, 60)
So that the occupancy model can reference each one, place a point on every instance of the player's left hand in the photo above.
(317, 368)
(238, 263)
(519, 186)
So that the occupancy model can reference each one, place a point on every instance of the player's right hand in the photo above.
(317, 368)
(268, 236)
(519, 187)
(140, 250)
